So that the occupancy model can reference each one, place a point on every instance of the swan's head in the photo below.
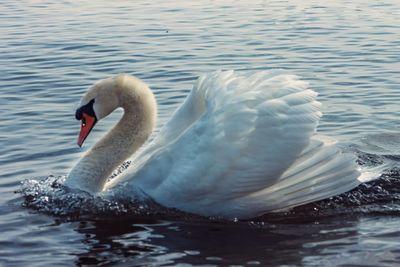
(98, 102)
(105, 96)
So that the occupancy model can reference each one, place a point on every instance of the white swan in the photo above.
(239, 146)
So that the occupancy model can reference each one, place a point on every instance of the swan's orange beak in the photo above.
(87, 124)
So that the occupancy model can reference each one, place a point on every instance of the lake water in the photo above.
(51, 51)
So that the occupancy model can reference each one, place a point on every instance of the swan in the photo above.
(240, 145)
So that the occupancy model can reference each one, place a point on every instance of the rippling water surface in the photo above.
(51, 51)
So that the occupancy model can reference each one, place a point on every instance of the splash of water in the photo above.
(51, 196)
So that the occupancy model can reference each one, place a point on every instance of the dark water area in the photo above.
(50, 52)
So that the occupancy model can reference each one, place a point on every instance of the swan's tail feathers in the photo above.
(321, 171)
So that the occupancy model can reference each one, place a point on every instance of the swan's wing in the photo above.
(321, 171)
(255, 125)
(234, 135)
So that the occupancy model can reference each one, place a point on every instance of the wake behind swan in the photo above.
(240, 145)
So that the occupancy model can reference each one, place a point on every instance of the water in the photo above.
(51, 51)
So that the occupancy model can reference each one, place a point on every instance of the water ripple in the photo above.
(52, 51)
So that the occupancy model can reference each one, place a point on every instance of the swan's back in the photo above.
(242, 145)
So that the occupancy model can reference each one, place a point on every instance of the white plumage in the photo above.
(239, 146)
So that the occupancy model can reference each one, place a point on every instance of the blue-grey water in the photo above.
(51, 51)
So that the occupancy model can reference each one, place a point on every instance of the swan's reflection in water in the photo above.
(143, 242)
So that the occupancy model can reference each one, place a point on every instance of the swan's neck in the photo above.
(133, 129)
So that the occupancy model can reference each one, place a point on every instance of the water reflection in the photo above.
(138, 242)
(120, 240)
